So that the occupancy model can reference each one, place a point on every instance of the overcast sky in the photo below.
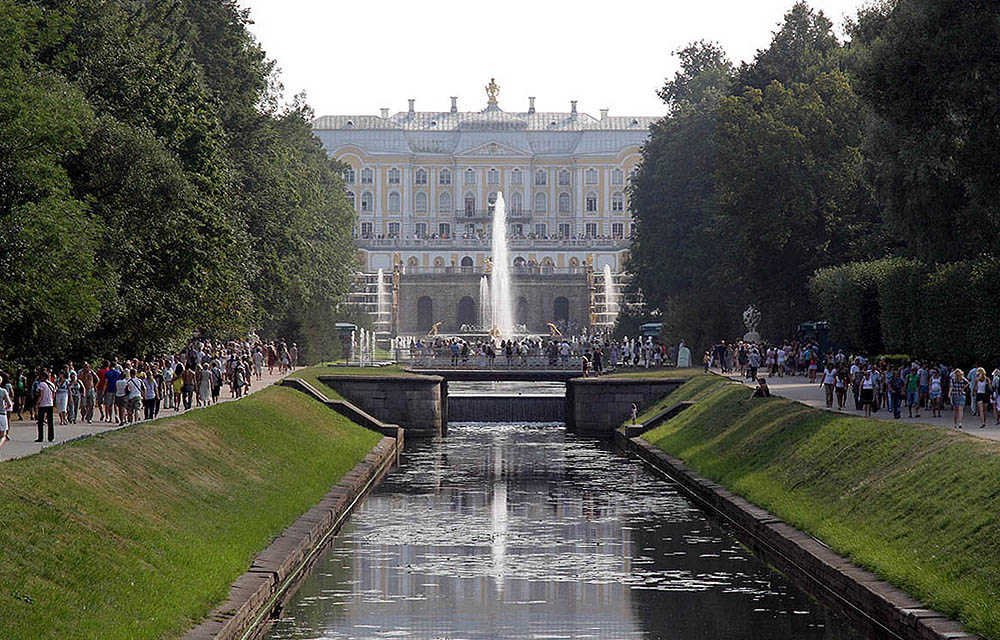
(354, 57)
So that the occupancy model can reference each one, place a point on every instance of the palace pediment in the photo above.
(493, 148)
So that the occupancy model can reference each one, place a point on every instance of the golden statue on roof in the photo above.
(492, 90)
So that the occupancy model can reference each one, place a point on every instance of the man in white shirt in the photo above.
(44, 404)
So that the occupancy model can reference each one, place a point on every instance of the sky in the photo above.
(355, 57)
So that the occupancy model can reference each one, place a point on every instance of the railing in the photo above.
(536, 270)
(473, 242)
(444, 360)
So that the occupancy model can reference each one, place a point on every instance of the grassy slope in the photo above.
(917, 505)
(311, 375)
(138, 533)
(654, 373)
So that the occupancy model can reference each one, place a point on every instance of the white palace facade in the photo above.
(423, 185)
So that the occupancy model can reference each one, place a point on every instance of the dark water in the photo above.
(524, 531)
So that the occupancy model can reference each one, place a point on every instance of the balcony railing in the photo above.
(477, 242)
(477, 270)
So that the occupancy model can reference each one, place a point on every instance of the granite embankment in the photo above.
(139, 533)
(916, 505)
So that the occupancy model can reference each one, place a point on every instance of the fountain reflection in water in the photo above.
(501, 298)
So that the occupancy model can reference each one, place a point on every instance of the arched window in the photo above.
(565, 203)
(591, 202)
(564, 178)
(515, 177)
(574, 262)
(420, 202)
(590, 176)
(351, 200)
(540, 178)
(466, 311)
(444, 202)
(470, 176)
(516, 202)
(540, 203)
(560, 309)
(493, 177)
(444, 177)
(394, 202)
(420, 177)
(617, 202)
(412, 262)
(519, 261)
(394, 176)
(491, 200)
(467, 261)
(367, 176)
(439, 262)
(521, 315)
(367, 202)
(349, 175)
(617, 177)
(469, 203)
(425, 313)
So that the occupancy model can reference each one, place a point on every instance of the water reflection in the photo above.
(523, 531)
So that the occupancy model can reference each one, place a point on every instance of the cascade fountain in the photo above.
(611, 301)
(485, 313)
(501, 298)
(380, 304)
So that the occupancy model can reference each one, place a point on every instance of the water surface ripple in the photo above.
(524, 531)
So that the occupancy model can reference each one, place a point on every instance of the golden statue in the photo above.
(434, 330)
(495, 333)
(492, 90)
(554, 331)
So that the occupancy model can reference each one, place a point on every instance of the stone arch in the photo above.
(560, 309)
(521, 313)
(466, 311)
(425, 313)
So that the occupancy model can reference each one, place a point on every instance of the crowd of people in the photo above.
(868, 384)
(124, 391)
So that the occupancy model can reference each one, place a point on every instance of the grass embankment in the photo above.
(918, 505)
(138, 533)
(311, 375)
(668, 373)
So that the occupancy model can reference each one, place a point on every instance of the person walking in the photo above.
(6, 406)
(984, 392)
(89, 380)
(134, 389)
(894, 391)
(829, 383)
(178, 386)
(204, 377)
(44, 402)
(958, 384)
(867, 392)
(935, 392)
(62, 398)
(149, 395)
(188, 380)
(912, 392)
(75, 397)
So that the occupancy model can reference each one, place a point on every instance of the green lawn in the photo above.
(918, 505)
(138, 533)
(656, 373)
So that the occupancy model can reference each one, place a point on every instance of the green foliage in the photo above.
(914, 504)
(139, 533)
(149, 186)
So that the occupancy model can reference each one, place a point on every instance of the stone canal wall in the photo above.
(278, 570)
(598, 406)
(417, 403)
(523, 408)
(879, 608)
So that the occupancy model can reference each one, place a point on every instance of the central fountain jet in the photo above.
(501, 296)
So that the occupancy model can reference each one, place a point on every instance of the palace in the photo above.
(424, 182)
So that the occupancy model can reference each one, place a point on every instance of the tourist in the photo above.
(762, 390)
(829, 384)
(934, 393)
(841, 385)
(178, 386)
(75, 397)
(121, 396)
(111, 377)
(984, 392)
(204, 381)
(89, 380)
(188, 380)
(912, 392)
(217, 380)
(44, 402)
(62, 397)
(894, 392)
(6, 406)
(867, 392)
(293, 354)
(959, 385)
(149, 395)
(134, 389)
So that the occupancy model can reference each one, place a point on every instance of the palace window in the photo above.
(590, 176)
(590, 230)
(350, 200)
(541, 178)
(393, 229)
(394, 176)
(366, 229)
(470, 229)
(540, 230)
(469, 203)
(444, 229)
(420, 229)
(516, 202)
(420, 202)
(564, 178)
(563, 229)
(367, 176)
(515, 177)
(470, 176)
(444, 202)
(617, 177)
(491, 200)
(367, 202)
(349, 175)
(444, 178)
(617, 230)
(420, 176)
(493, 177)
(565, 203)
(591, 204)
(617, 202)
(517, 229)
(540, 203)
(394, 202)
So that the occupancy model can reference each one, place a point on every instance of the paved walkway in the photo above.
(799, 388)
(23, 432)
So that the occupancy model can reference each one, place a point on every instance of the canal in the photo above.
(525, 531)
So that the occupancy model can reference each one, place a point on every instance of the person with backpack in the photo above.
(6, 405)
(44, 404)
